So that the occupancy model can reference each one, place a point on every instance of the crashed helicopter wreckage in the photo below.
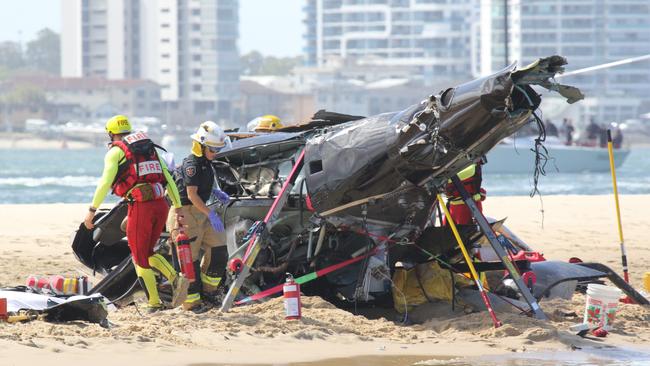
(339, 201)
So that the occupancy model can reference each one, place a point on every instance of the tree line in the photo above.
(44, 54)
(40, 54)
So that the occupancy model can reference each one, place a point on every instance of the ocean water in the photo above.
(632, 177)
(70, 176)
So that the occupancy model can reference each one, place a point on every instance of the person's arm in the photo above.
(193, 195)
(111, 162)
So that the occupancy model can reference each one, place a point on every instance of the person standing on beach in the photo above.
(135, 172)
(195, 179)
(471, 178)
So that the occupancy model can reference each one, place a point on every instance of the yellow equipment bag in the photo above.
(436, 281)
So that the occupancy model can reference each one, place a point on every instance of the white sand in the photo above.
(37, 240)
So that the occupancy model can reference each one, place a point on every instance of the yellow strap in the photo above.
(159, 262)
(459, 201)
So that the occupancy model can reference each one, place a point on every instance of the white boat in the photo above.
(514, 156)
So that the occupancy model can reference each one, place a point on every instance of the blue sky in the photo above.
(273, 27)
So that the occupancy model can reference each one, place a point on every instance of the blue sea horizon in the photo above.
(70, 176)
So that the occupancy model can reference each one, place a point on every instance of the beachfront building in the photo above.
(438, 37)
(188, 47)
(587, 33)
(60, 100)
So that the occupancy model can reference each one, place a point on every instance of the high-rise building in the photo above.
(189, 47)
(440, 37)
(588, 33)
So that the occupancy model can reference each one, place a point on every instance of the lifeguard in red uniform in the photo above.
(134, 171)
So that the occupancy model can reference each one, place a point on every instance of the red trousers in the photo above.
(146, 221)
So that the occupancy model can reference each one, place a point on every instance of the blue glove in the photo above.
(221, 196)
(215, 221)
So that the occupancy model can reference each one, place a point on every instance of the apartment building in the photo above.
(588, 33)
(440, 37)
(189, 47)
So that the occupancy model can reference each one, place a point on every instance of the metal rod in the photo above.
(498, 248)
(505, 31)
(612, 168)
(470, 264)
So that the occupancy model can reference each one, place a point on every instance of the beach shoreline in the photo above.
(38, 238)
(25, 141)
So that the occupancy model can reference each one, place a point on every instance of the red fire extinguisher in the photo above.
(185, 255)
(292, 304)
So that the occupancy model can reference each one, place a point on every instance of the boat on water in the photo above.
(513, 156)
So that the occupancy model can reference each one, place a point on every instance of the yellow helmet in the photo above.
(268, 123)
(118, 124)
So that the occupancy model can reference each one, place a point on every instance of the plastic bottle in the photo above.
(38, 284)
(61, 285)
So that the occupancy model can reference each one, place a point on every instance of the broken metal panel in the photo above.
(378, 154)
(352, 162)
(255, 149)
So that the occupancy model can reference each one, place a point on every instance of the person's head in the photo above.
(267, 123)
(209, 139)
(117, 127)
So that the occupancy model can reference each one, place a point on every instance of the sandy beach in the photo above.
(37, 241)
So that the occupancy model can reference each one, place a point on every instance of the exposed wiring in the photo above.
(541, 158)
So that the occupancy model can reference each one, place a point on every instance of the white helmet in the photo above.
(210, 134)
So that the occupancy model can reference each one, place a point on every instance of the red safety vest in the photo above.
(472, 184)
(141, 164)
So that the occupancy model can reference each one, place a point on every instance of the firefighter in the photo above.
(195, 181)
(471, 178)
(266, 123)
(134, 171)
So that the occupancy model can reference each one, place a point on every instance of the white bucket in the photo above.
(601, 305)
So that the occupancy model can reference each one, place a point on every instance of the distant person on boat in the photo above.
(551, 130)
(593, 132)
(567, 131)
(602, 136)
(617, 138)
